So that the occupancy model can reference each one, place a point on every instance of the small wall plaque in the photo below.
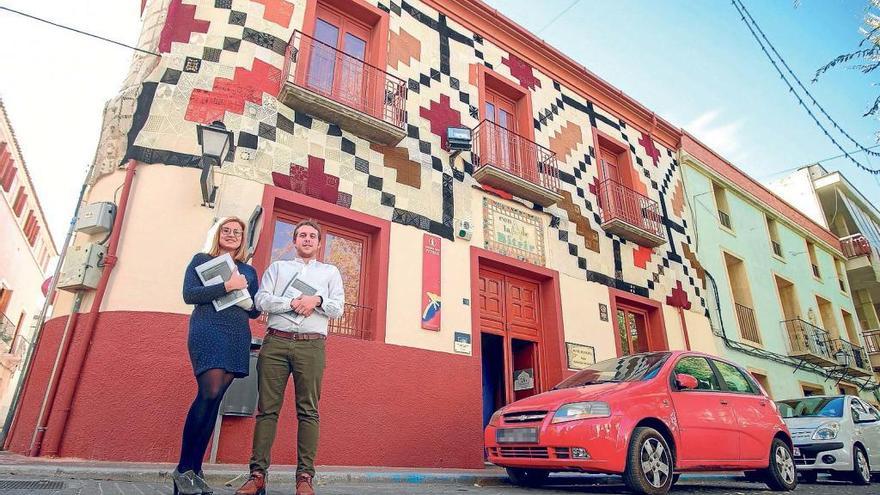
(603, 312)
(580, 356)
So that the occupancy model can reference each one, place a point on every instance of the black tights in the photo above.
(200, 419)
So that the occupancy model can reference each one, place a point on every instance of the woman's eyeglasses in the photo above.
(233, 233)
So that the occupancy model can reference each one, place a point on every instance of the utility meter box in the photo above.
(81, 267)
(96, 218)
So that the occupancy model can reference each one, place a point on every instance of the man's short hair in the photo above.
(308, 222)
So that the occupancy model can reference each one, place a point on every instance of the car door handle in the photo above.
(724, 403)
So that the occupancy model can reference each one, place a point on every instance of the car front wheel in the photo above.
(781, 475)
(649, 463)
(528, 477)
(861, 474)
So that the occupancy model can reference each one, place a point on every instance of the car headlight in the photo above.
(582, 410)
(827, 431)
(496, 418)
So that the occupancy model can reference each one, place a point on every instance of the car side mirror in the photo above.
(685, 381)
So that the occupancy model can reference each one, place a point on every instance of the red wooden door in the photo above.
(510, 307)
(632, 330)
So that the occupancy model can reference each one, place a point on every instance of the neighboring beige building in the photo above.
(834, 202)
(26, 248)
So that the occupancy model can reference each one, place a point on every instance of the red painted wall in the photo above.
(382, 405)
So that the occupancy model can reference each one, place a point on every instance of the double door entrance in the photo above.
(511, 334)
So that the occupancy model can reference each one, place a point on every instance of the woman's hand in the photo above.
(236, 282)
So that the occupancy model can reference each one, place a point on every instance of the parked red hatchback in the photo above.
(647, 417)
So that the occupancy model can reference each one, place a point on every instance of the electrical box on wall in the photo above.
(464, 230)
(82, 269)
(96, 218)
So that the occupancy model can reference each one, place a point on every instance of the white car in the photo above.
(837, 434)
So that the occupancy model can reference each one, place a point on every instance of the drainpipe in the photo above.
(684, 328)
(60, 409)
(11, 422)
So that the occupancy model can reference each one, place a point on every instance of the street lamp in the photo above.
(215, 141)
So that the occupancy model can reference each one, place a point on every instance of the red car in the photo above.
(647, 417)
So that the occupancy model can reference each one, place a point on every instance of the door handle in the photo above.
(723, 402)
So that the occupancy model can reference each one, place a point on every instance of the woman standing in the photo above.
(219, 348)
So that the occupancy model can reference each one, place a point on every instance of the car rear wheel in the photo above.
(649, 463)
(861, 474)
(781, 475)
(528, 477)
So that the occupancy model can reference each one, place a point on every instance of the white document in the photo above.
(295, 288)
(218, 271)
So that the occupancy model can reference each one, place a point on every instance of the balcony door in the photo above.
(336, 65)
(501, 111)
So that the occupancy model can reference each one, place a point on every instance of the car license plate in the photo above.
(517, 435)
(796, 452)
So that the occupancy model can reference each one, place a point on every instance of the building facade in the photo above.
(26, 250)
(473, 278)
(832, 200)
(782, 307)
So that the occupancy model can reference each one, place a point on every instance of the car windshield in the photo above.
(812, 407)
(622, 369)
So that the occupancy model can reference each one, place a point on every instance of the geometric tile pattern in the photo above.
(227, 65)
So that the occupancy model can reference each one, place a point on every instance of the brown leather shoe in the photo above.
(255, 485)
(304, 485)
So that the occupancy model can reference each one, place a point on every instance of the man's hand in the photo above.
(304, 305)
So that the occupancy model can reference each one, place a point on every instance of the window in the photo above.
(773, 230)
(699, 368)
(814, 264)
(829, 322)
(839, 267)
(763, 380)
(721, 204)
(7, 167)
(615, 163)
(742, 298)
(850, 326)
(5, 296)
(734, 378)
(330, 73)
(810, 390)
(20, 199)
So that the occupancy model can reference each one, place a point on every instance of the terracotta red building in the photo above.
(559, 238)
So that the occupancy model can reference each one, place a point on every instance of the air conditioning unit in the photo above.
(464, 230)
(82, 267)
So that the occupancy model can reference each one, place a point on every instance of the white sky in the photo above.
(54, 84)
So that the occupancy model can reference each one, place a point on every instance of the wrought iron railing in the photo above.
(855, 355)
(748, 326)
(343, 78)
(855, 245)
(872, 341)
(620, 202)
(356, 321)
(804, 337)
(724, 218)
(7, 335)
(503, 149)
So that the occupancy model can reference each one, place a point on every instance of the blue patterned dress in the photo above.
(218, 339)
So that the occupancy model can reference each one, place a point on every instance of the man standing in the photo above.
(294, 344)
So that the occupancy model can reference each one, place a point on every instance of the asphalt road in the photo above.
(567, 485)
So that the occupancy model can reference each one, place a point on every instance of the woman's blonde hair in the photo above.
(241, 253)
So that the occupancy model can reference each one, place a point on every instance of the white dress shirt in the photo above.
(325, 278)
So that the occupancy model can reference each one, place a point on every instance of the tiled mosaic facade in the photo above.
(224, 60)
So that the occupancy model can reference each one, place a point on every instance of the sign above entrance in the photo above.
(512, 232)
(580, 356)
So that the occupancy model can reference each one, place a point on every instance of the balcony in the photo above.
(7, 335)
(337, 87)
(748, 326)
(855, 245)
(872, 345)
(809, 342)
(855, 357)
(630, 215)
(509, 162)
